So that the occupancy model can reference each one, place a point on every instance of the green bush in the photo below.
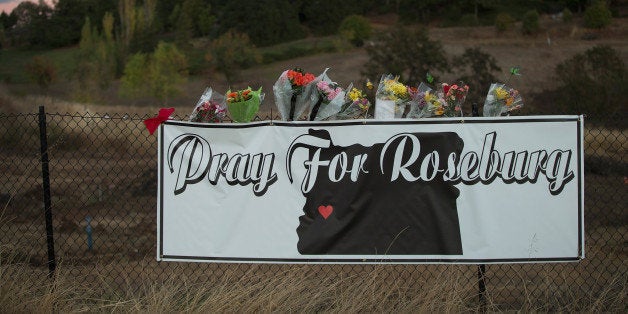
(42, 71)
(530, 22)
(597, 15)
(409, 53)
(469, 20)
(594, 82)
(567, 15)
(476, 67)
(232, 52)
(356, 29)
(503, 22)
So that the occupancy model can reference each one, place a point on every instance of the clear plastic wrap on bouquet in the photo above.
(355, 106)
(292, 92)
(210, 108)
(391, 98)
(327, 98)
(445, 103)
(501, 99)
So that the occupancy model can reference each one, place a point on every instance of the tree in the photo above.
(594, 82)
(31, 23)
(405, 52)
(356, 29)
(159, 74)
(232, 52)
(133, 82)
(265, 22)
(476, 68)
(96, 60)
(42, 71)
(167, 71)
(597, 15)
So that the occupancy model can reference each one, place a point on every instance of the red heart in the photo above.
(325, 211)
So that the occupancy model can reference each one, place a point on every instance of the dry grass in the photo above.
(297, 288)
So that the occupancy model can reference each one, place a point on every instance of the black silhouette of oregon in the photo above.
(379, 217)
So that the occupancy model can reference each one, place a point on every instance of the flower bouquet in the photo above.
(210, 108)
(446, 103)
(244, 104)
(292, 93)
(328, 98)
(356, 105)
(391, 98)
(501, 99)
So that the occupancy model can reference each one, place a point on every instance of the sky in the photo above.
(8, 5)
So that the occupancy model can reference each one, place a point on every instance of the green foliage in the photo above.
(159, 74)
(567, 15)
(503, 22)
(356, 29)
(133, 82)
(299, 48)
(476, 69)
(323, 17)
(405, 52)
(167, 71)
(232, 52)
(42, 71)
(96, 60)
(597, 15)
(266, 23)
(594, 82)
(530, 22)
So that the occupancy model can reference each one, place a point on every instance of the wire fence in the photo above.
(102, 171)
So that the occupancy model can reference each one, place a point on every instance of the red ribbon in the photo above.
(153, 123)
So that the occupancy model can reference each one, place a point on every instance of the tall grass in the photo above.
(295, 288)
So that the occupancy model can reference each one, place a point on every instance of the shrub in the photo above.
(476, 69)
(530, 22)
(405, 52)
(232, 52)
(503, 22)
(597, 15)
(356, 29)
(594, 82)
(567, 15)
(42, 71)
(159, 74)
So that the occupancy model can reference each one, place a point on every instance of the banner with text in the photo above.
(472, 190)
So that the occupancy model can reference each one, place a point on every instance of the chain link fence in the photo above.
(102, 171)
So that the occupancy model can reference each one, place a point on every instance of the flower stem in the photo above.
(293, 101)
(315, 109)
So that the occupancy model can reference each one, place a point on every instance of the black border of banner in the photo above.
(380, 260)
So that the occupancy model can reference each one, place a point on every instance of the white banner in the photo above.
(472, 190)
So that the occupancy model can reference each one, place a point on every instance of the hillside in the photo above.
(536, 55)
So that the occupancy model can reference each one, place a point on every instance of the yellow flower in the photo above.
(501, 93)
(429, 97)
(439, 111)
(355, 94)
(369, 85)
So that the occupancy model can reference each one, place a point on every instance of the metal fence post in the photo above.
(481, 267)
(45, 173)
